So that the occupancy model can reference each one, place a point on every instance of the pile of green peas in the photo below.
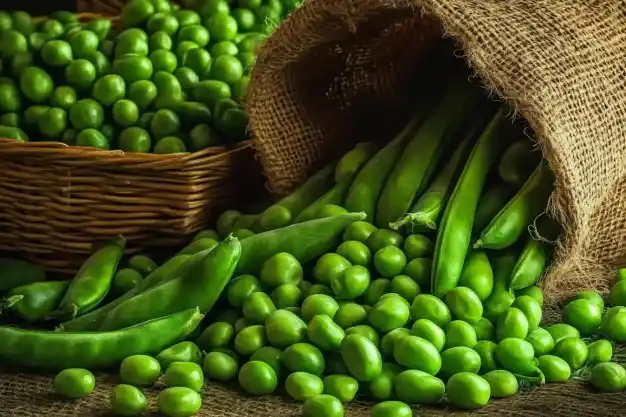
(360, 322)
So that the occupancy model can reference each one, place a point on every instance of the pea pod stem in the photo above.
(540, 379)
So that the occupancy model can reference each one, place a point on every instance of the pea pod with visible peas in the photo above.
(92, 282)
(33, 302)
(94, 350)
(454, 235)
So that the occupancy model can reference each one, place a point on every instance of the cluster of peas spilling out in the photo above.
(170, 80)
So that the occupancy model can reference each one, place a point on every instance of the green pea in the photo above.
(303, 357)
(417, 387)
(405, 287)
(142, 264)
(468, 391)
(184, 374)
(419, 270)
(301, 386)
(284, 328)
(554, 369)
(486, 349)
(573, 350)
(258, 307)
(464, 304)
(413, 352)
(271, 356)
(225, 221)
(287, 295)
(240, 324)
(512, 324)
(350, 314)
(426, 306)
(74, 383)
(391, 409)
(502, 383)
(294, 310)
(125, 280)
(484, 329)
(417, 246)
(381, 238)
(140, 370)
(477, 274)
(319, 304)
(319, 289)
(381, 388)
(560, 331)
(179, 402)
(359, 231)
(497, 304)
(533, 292)
(460, 333)
(334, 364)
(459, 359)
(361, 357)
(621, 273)
(389, 261)
(357, 253)
(216, 335)
(128, 401)
(516, 355)
(282, 268)
(257, 378)
(377, 288)
(352, 283)
(541, 341)
(240, 288)
(366, 331)
(180, 352)
(305, 287)
(584, 315)
(592, 296)
(600, 351)
(389, 313)
(614, 330)
(329, 266)
(322, 405)
(250, 339)
(324, 333)
(342, 387)
(389, 340)
(608, 377)
(228, 352)
(219, 366)
(428, 330)
(617, 295)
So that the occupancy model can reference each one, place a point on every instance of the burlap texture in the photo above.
(335, 72)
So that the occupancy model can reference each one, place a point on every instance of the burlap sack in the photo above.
(337, 69)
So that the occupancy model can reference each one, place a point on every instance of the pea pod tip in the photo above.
(478, 244)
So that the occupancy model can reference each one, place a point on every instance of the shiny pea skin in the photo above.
(361, 357)
(418, 246)
(608, 377)
(428, 330)
(592, 296)
(258, 307)
(614, 329)
(219, 366)
(584, 315)
(329, 266)
(179, 402)
(301, 386)
(573, 350)
(554, 368)
(477, 274)
(74, 383)
(467, 390)
(502, 383)
(319, 289)
(417, 387)
(389, 313)
(287, 295)
(484, 329)
(271, 356)
(140, 370)
(391, 409)
(600, 351)
(184, 374)
(464, 304)
(342, 387)
(541, 340)
(128, 401)
(512, 324)
(377, 288)
(284, 328)
(460, 333)
(531, 309)
(357, 253)
(459, 359)
(497, 304)
(303, 357)
(366, 331)
(350, 314)
(382, 238)
(426, 306)
(381, 387)
(257, 378)
(516, 355)
(216, 335)
(485, 349)
(533, 292)
(250, 339)
(359, 231)
(389, 340)
(240, 288)
(405, 287)
(617, 295)
(389, 261)
(180, 352)
(560, 331)
(319, 304)
(352, 283)
(324, 333)
(322, 405)
(419, 270)
(282, 268)
(413, 352)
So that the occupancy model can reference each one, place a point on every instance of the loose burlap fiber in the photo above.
(335, 72)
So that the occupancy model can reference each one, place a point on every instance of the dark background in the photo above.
(39, 7)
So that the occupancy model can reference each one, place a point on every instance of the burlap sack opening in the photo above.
(336, 72)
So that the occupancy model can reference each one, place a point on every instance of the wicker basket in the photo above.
(105, 7)
(56, 201)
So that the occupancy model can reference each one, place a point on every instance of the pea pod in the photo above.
(305, 241)
(16, 272)
(510, 222)
(92, 282)
(93, 350)
(517, 356)
(426, 212)
(518, 161)
(530, 265)
(33, 302)
(369, 182)
(352, 162)
(501, 297)
(335, 196)
(198, 287)
(417, 164)
(455, 230)
(489, 204)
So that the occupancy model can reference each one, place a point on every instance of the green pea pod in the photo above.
(94, 350)
(199, 286)
(454, 234)
(92, 282)
(33, 302)
(530, 265)
(335, 196)
(352, 162)
(490, 203)
(426, 212)
(510, 222)
(369, 182)
(305, 241)
(417, 164)
(16, 272)
(518, 161)
(501, 297)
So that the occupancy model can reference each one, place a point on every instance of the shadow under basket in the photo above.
(57, 201)
(107, 7)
